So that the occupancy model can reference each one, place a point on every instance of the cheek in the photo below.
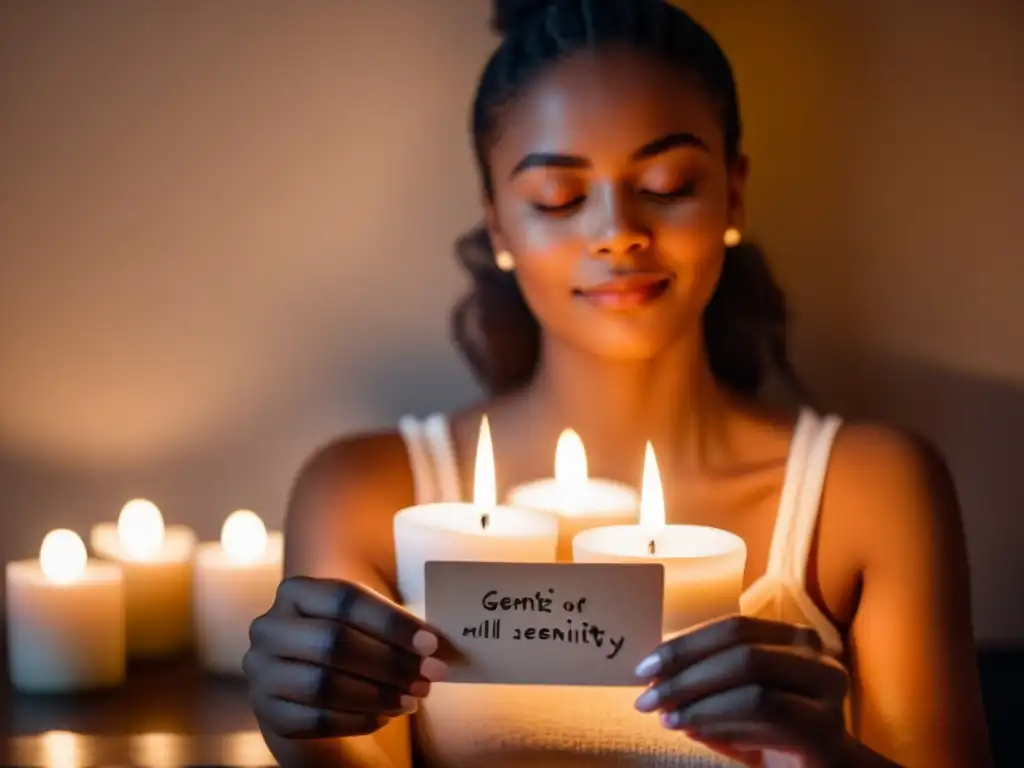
(689, 239)
(546, 276)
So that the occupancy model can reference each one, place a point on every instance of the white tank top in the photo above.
(509, 726)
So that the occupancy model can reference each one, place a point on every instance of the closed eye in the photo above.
(566, 207)
(686, 190)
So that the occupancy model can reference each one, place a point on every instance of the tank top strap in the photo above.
(442, 450)
(424, 476)
(800, 501)
(808, 507)
(807, 425)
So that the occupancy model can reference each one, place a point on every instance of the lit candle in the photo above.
(703, 566)
(236, 580)
(581, 502)
(477, 531)
(65, 619)
(157, 564)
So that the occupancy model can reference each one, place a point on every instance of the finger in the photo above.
(331, 644)
(321, 687)
(784, 668)
(300, 721)
(362, 608)
(742, 741)
(751, 758)
(783, 711)
(674, 655)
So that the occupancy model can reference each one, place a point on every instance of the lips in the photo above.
(627, 292)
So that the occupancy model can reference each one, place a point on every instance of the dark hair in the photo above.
(745, 321)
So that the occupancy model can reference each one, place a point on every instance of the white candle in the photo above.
(65, 619)
(480, 531)
(236, 580)
(580, 502)
(703, 566)
(157, 564)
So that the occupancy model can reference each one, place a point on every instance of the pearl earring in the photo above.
(505, 261)
(732, 237)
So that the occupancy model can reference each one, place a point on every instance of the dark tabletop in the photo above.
(172, 715)
(165, 716)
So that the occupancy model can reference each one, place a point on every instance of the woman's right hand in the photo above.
(332, 658)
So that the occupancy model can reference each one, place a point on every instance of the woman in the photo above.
(613, 294)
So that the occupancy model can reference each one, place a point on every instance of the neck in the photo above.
(616, 406)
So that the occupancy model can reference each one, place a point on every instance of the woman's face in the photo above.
(612, 191)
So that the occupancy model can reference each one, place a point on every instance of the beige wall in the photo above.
(226, 235)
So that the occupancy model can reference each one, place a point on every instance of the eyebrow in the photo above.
(651, 149)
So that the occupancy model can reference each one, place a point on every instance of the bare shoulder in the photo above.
(887, 487)
(342, 503)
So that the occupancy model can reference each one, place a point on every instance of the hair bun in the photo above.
(510, 14)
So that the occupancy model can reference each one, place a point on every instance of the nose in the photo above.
(620, 236)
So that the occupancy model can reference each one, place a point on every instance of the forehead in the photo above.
(604, 106)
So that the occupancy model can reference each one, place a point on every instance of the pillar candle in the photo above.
(477, 531)
(703, 566)
(236, 580)
(157, 564)
(579, 501)
(65, 619)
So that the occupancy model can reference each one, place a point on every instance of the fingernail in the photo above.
(671, 719)
(424, 642)
(409, 704)
(420, 688)
(649, 666)
(433, 669)
(648, 700)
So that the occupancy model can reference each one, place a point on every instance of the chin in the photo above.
(626, 345)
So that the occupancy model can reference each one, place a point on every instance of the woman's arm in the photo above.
(339, 526)
(915, 680)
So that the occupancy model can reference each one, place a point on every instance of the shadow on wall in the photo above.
(978, 424)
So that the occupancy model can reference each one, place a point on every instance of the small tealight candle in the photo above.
(581, 502)
(462, 531)
(703, 566)
(236, 580)
(157, 564)
(65, 619)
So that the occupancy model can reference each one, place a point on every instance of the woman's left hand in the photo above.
(742, 684)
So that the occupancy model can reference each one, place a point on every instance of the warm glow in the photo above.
(570, 469)
(243, 536)
(140, 529)
(484, 485)
(62, 556)
(244, 748)
(61, 749)
(652, 499)
(159, 750)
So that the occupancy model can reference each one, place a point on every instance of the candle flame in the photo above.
(570, 468)
(652, 499)
(485, 494)
(140, 529)
(243, 537)
(62, 557)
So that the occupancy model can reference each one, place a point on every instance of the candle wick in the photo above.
(485, 520)
(650, 547)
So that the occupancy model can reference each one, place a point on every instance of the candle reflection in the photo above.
(53, 749)
(64, 749)
(245, 748)
(159, 750)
